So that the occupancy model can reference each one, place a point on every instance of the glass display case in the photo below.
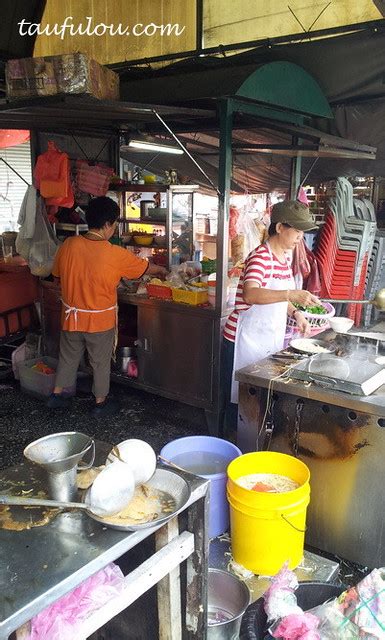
(158, 222)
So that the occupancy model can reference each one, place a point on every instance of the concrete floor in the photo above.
(157, 420)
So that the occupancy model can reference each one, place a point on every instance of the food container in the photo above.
(228, 599)
(8, 245)
(143, 240)
(126, 238)
(190, 297)
(341, 325)
(124, 356)
(316, 320)
(159, 291)
(160, 241)
(36, 383)
(131, 286)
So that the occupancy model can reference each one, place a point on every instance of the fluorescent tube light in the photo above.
(144, 145)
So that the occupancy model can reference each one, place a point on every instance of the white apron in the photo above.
(260, 329)
(74, 310)
(69, 310)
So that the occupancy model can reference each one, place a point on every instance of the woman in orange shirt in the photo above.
(90, 268)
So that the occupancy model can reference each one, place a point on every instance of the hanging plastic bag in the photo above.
(93, 179)
(51, 172)
(52, 177)
(26, 220)
(43, 247)
(61, 620)
(36, 241)
(248, 233)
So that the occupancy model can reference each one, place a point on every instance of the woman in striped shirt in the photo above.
(265, 297)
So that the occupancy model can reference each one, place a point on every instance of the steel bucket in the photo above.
(123, 357)
(228, 599)
(60, 454)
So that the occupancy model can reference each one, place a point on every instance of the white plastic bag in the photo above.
(36, 241)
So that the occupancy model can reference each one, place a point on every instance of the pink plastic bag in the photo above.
(59, 620)
(93, 179)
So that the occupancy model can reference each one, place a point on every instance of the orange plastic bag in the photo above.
(52, 177)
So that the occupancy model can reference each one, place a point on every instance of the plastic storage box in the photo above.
(159, 291)
(39, 384)
(190, 297)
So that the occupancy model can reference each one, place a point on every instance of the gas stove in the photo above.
(356, 367)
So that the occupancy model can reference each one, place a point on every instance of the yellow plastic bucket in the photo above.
(267, 529)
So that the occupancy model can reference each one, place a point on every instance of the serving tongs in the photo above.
(378, 301)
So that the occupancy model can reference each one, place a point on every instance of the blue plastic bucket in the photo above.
(219, 508)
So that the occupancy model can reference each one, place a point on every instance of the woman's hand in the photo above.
(302, 324)
(302, 297)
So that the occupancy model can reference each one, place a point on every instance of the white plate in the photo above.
(311, 346)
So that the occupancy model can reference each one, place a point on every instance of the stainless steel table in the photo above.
(341, 438)
(39, 565)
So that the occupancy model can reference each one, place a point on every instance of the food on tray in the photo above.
(267, 482)
(309, 346)
(146, 505)
(159, 282)
(317, 309)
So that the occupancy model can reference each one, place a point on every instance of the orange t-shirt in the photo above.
(89, 272)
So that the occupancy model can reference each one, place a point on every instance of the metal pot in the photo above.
(228, 599)
(123, 356)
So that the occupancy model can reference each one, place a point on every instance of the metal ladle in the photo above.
(110, 492)
(378, 301)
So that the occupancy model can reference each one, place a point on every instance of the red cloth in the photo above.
(300, 262)
(13, 137)
(313, 280)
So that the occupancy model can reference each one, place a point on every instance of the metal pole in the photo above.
(224, 182)
(199, 25)
(295, 171)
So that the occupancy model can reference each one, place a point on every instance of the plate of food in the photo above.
(153, 503)
(311, 346)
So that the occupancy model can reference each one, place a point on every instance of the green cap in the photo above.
(294, 213)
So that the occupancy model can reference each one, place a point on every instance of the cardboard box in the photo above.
(72, 73)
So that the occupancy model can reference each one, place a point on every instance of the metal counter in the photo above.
(178, 352)
(39, 565)
(341, 437)
(143, 299)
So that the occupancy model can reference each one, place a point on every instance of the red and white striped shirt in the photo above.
(258, 267)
